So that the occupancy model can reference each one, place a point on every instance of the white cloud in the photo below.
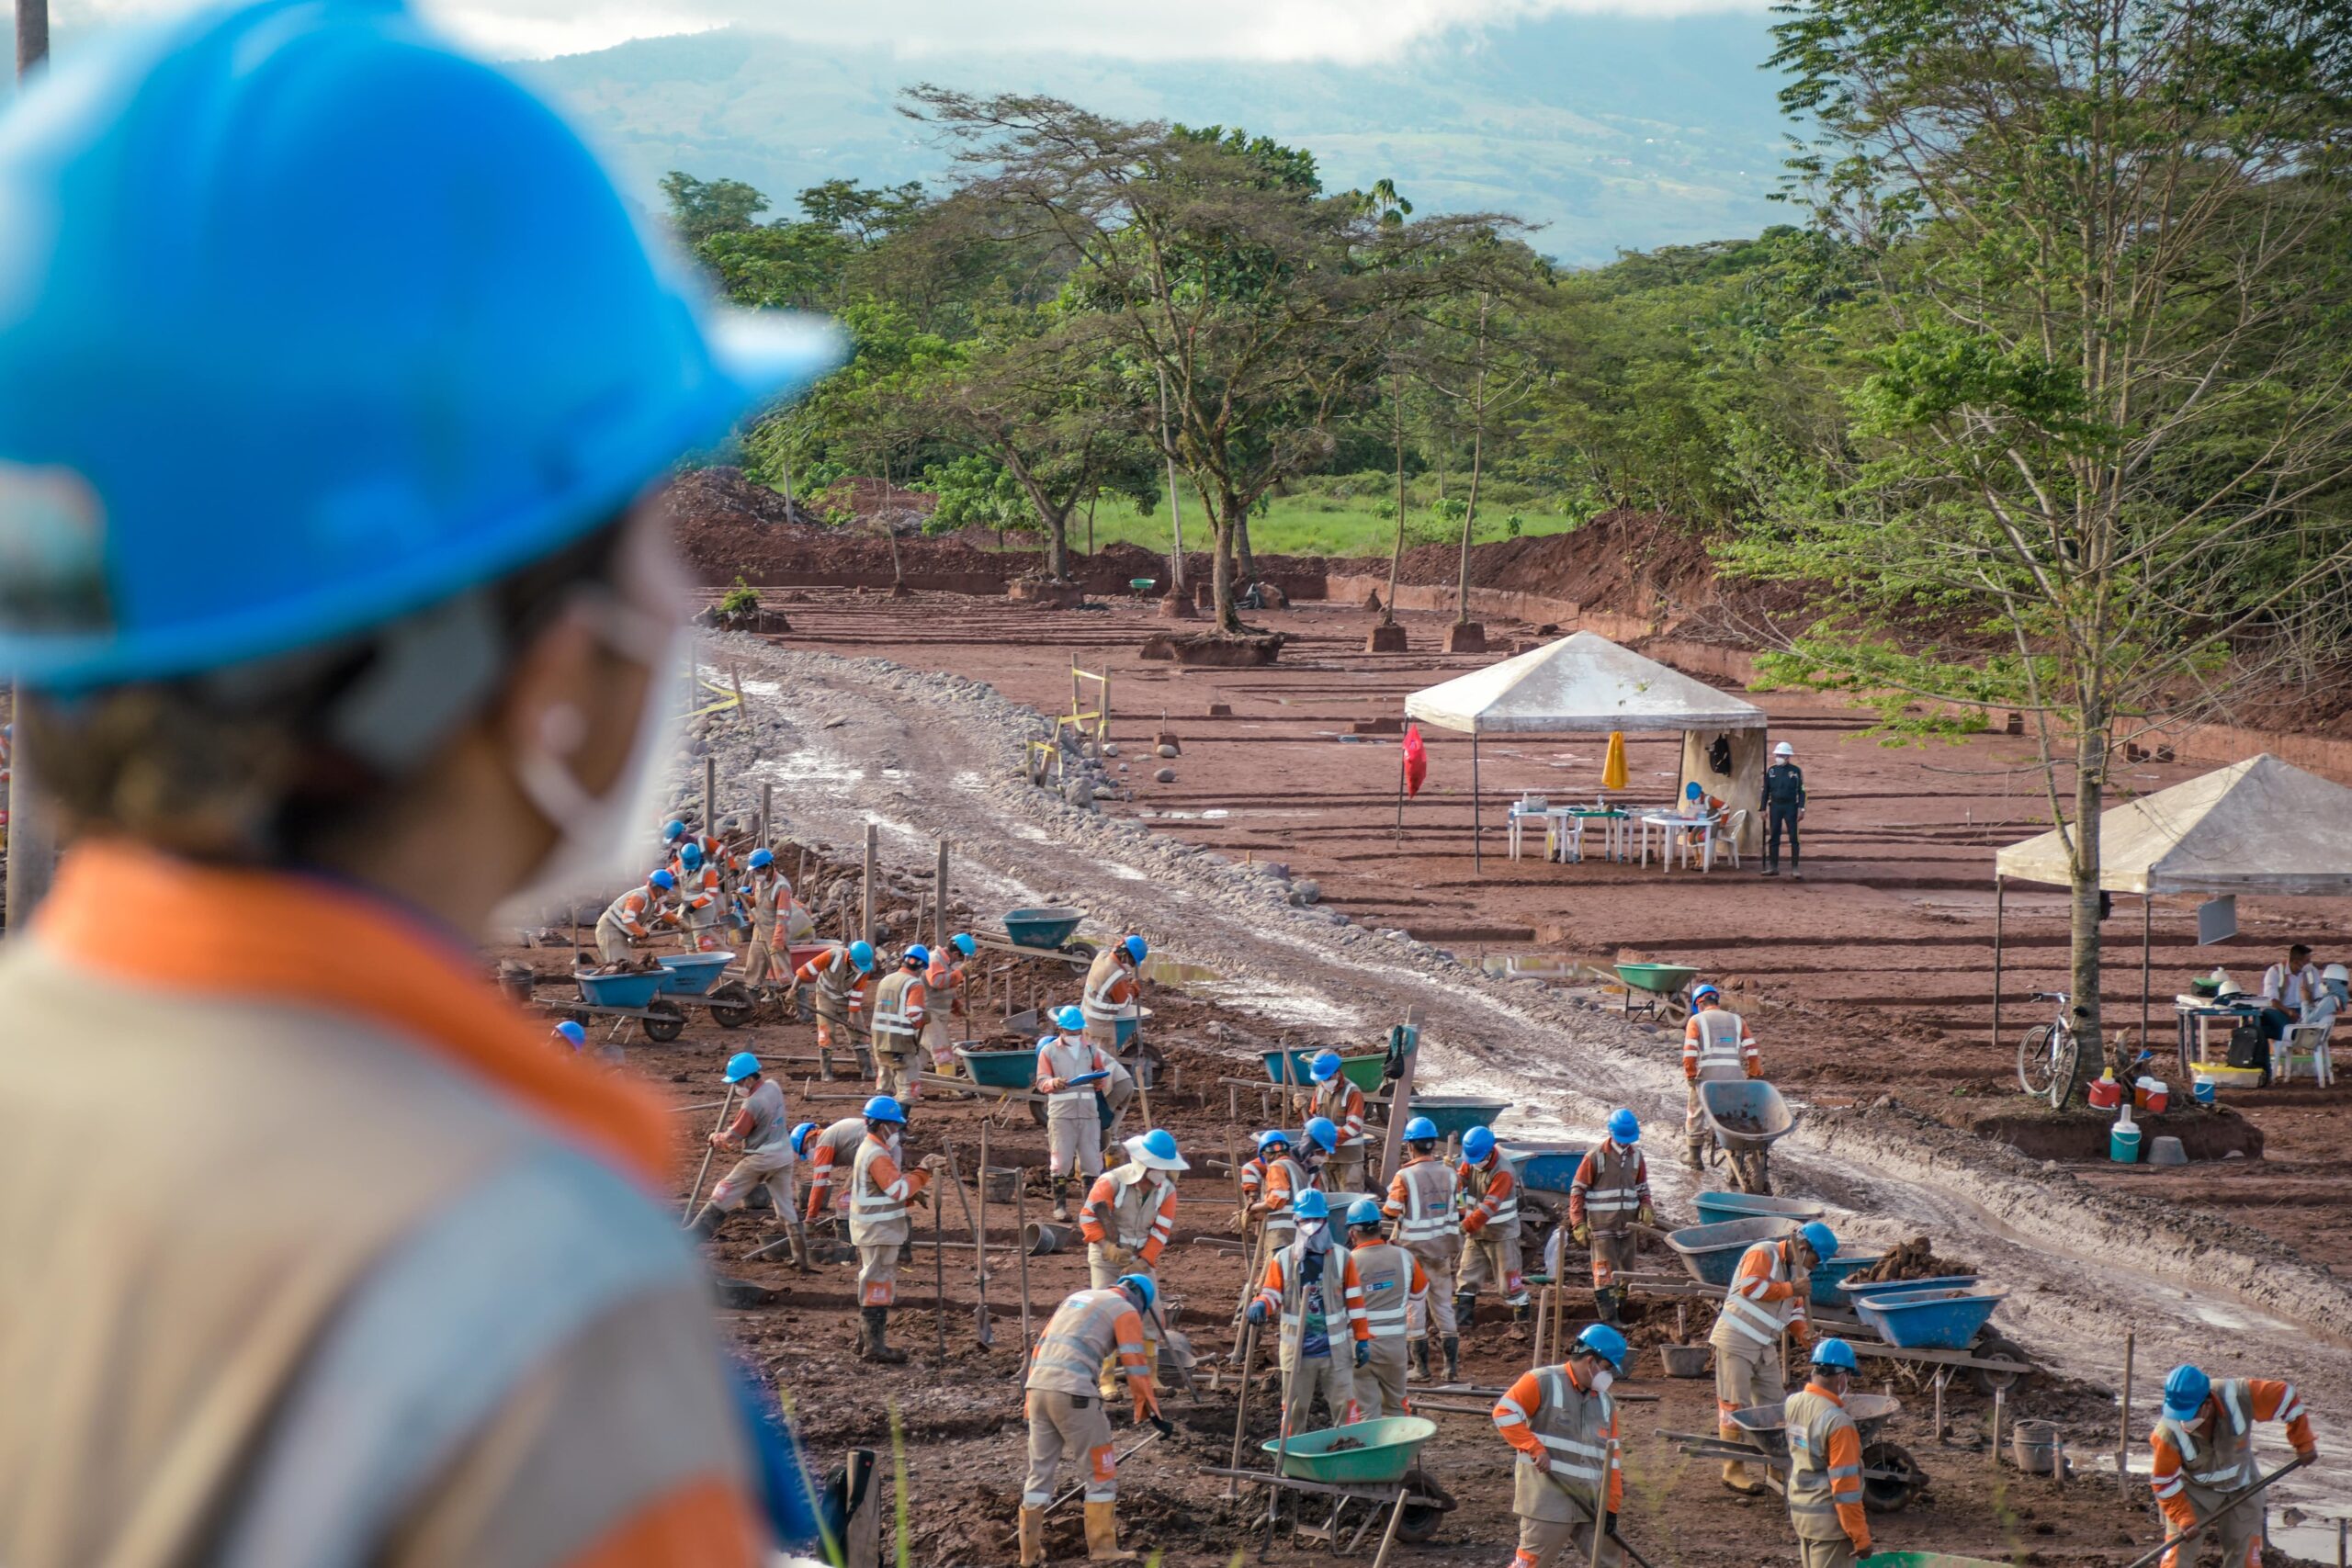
(1352, 31)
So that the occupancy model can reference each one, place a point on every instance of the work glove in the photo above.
(1801, 1332)
(1473, 1222)
(1363, 1351)
(1581, 1233)
(1256, 1313)
(1163, 1425)
(1145, 1409)
(1117, 1256)
(1755, 1069)
(1646, 1215)
(2309, 1454)
(1241, 1221)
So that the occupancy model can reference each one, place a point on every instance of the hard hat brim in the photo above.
(771, 355)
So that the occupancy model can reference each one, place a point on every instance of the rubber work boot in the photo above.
(1102, 1534)
(1418, 1368)
(798, 1236)
(875, 1346)
(1032, 1537)
(710, 1222)
(1465, 1309)
(1452, 1358)
(1737, 1479)
(1610, 1305)
(1695, 1154)
(1061, 1201)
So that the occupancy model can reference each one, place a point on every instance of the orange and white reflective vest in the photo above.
(833, 1151)
(636, 910)
(841, 986)
(1610, 1186)
(1286, 1178)
(1420, 1199)
(878, 1194)
(1766, 1296)
(1131, 1208)
(1824, 1468)
(2192, 1475)
(1342, 1103)
(899, 1003)
(1547, 1410)
(1061, 1057)
(1491, 1188)
(1085, 1331)
(1716, 1046)
(1110, 993)
(1392, 1279)
(1284, 1290)
(944, 979)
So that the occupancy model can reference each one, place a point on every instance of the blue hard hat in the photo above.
(882, 1107)
(662, 880)
(1702, 992)
(742, 1065)
(385, 326)
(1136, 948)
(1070, 1017)
(762, 858)
(800, 1136)
(1365, 1212)
(1325, 1067)
(1269, 1139)
(1604, 1342)
(1321, 1130)
(672, 830)
(571, 1031)
(918, 955)
(1478, 1143)
(1420, 1130)
(1311, 1205)
(1624, 1127)
(1821, 1239)
(1835, 1352)
(962, 942)
(861, 954)
(690, 855)
(1141, 1287)
(1691, 790)
(2185, 1390)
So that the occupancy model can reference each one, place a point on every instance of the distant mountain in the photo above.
(1614, 133)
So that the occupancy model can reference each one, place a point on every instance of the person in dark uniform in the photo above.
(1783, 807)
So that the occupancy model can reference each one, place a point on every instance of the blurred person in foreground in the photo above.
(336, 386)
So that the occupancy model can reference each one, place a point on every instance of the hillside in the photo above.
(1612, 131)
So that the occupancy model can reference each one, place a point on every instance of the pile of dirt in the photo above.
(1622, 560)
(1914, 1259)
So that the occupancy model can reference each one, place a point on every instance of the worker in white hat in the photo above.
(1783, 807)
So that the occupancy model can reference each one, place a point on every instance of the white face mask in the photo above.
(596, 845)
(1602, 1378)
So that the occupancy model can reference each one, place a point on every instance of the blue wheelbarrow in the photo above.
(1044, 931)
(1712, 1253)
(1720, 1208)
(693, 978)
(1456, 1114)
(632, 993)
(1931, 1320)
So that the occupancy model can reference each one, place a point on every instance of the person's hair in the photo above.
(269, 761)
(2300, 950)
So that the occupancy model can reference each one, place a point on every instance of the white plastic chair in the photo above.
(1727, 835)
(1526, 805)
(2310, 1042)
(1563, 837)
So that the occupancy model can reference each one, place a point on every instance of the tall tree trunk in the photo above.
(2090, 788)
(1241, 544)
(1175, 505)
(1396, 551)
(1226, 617)
(1470, 513)
(1056, 541)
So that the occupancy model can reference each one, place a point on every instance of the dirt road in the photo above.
(844, 741)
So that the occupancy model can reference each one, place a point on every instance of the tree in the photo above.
(1210, 257)
(700, 209)
(2099, 457)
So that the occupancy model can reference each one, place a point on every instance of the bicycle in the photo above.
(2047, 1055)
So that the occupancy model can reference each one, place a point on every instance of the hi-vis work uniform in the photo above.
(879, 1227)
(1286, 1178)
(1393, 1282)
(772, 906)
(841, 994)
(1767, 1297)
(496, 1348)
(1490, 1228)
(1073, 1120)
(899, 1005)
(1420, 1200)
(701, 905)
(1109, 996)
(632, 915)
(765, 1133)
(2194, 1473)
(1717, 1048)
(832, 1155)
(1610, 1186)
(1065, 1411)
(1824, 1480)
(1130, 1212)
(944, 980)
(1315, 1297)
(1342, 1103)
(1547, 1410)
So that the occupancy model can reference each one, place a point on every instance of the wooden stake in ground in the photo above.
(710, 795)
(2123, 1426)
(708, 1149)
(1242, 1408)
(939, 935)
(939, 1265)
(873, 853)
(980, 1240)
(1020, 1246)
(767, 821)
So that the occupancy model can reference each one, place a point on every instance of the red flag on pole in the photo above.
(1417, 760)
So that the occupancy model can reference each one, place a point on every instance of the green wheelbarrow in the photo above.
(1369, 1453)
(1663, 989)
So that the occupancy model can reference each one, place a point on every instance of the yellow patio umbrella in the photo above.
(1613, 767)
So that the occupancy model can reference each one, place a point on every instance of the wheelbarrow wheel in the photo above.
(1418, 1523)
(736, 1011)
(1037, 1111)
(1676, 1005)
(1082, 957)
(664, 1022)
(1890, 1478)
(1989, 1380)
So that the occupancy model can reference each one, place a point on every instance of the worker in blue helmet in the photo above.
(1609, 1195)
(841, 977)
(1105, 1325)
(1566, 1481)
(1825, 1482)
(947, 1016)
(880, 1189)
(1111, 998)
(761, 1133)
(1718, 1047)
(1311, 1295)
(901, 1008)
(768, 902)
(1127, 1219)
(2202, 1455)
(1073, 1074)
(636, 919)
(1342, 1104)
(1765, 1300)
(1487, 1182)
(367, 635)
(1394, 1285)
(1421, 1201)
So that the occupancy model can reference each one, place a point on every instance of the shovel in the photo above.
(2170, 1542)
(980, 1328)
(1116, 1462)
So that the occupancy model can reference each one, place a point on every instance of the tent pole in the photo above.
(1400, 797)
(2147, 944)
(1478, 827)
(1999, 887)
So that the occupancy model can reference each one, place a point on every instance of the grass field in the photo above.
(1299, 526)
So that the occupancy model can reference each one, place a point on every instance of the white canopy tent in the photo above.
(2260, 826)
(1583, 684)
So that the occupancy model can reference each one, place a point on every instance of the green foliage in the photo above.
(975, 489)
(700, 209)
(742, 599)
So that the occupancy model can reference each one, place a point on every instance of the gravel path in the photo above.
(927, 756)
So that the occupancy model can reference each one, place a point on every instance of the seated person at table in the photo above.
(2333, 995)
(2287, 989)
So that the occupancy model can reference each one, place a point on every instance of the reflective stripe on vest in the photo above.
(1481, 1178)
(1385, 1272)
(1760, 1320)
(890, 1005)
(1096, 1002)
(1816, 1486)
(1429, 1213)
(835, 979)
(2228, 1457)
(867, 1203)
(1719, 1044)
(1081, 1336)
(1067, 1058)
(1282, 1219)
(1331, 1103)
(1576, 1450)
(1615, 1191)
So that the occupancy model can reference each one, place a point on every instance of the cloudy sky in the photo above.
(1347, 31)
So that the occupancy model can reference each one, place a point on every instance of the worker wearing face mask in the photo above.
(1568, 1479)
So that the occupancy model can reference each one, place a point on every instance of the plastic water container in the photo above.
(2168, 1151)
(2159, 1096)
(2123, 1144)
(2106, 1094)
(2204, 1091)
